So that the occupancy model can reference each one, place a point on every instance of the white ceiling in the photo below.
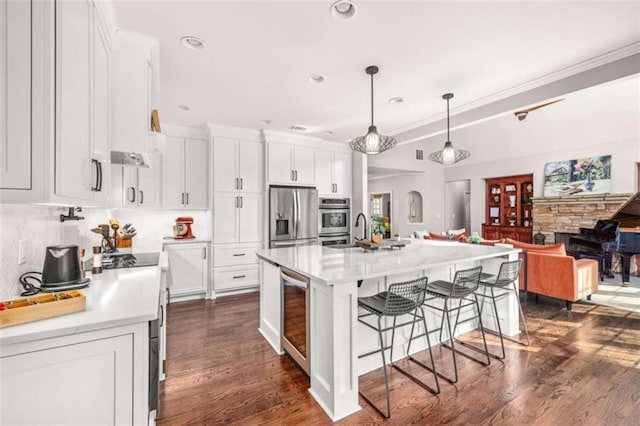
(259, 55)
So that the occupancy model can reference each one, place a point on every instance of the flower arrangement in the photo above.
(584, 170)
(378, 227)
(474, 238)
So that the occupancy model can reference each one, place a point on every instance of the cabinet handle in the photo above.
(238, 276)
(240, 183)
(291, 175)
(295, 173)
(161, 315)
(237, 202)
(141, 196)
(239, 254)
(168, 294)
(187, 198)
(204, 252)
(95, 187)
(182, 202)
(99, 176)
(241, 202)
(132, 199)
(237, 186)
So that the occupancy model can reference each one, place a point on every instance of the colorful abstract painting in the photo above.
(583, 176)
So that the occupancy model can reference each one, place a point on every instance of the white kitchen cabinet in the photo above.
(291, 164)
(237, 165)
(141, 186)
(188, 269)
(185, 173)
(237, 218)
(333, 172)
(15, 95)
(87, 378)
(82, 137)
(235, 267)
(132, 91)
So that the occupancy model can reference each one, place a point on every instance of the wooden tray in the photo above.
(41, 306)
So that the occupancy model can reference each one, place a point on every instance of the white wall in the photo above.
(427, 184)
(603, 120)
(41, 227)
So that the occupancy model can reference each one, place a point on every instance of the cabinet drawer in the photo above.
(235, 277)
(235, 255)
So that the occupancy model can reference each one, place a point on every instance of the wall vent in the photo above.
(419, 154)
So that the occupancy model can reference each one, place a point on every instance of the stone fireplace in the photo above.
(569, 213)
(566, 215)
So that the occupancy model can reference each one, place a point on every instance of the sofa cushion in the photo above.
(546, 249)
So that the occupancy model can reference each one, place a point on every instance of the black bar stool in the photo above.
(502, 285)
(404, 298)
(464, 285)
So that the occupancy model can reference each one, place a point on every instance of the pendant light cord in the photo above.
(372, 99)
(448, 137)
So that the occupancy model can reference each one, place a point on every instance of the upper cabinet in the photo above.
(290, 163)
(133, 90)
(82, 139)
(185, 170)
(237, 165)
(55, 101)
(333, 172)
(15, 95)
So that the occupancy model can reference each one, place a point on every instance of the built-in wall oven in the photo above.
(334, 217)
(335, 240)
(295, 317)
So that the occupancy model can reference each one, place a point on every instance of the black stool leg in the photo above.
(431, 368)
(386, 380)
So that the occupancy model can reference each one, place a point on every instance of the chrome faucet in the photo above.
(364, 231)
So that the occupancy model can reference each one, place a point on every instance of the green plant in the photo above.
(377, 225)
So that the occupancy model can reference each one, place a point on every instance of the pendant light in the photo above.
(373, 142)
(448, 155)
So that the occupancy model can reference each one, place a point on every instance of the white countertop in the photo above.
(114, 298)
(172, 240)
(335, 266)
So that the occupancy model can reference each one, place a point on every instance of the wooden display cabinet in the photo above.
(508, 208)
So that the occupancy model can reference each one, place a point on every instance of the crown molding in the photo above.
(555, 77)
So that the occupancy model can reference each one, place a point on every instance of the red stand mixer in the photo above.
(182, 228)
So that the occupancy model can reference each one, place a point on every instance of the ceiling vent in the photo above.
(419, 154)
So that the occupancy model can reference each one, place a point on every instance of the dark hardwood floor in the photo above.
(583, 367)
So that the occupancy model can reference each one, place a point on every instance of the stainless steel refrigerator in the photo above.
(293, 216)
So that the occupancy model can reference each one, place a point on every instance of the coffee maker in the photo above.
(182, 228)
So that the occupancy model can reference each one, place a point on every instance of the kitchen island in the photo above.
(88, 367)
(337, 277)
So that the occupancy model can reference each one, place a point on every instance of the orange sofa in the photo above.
(550, 272)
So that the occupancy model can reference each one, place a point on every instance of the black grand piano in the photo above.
(620, 234)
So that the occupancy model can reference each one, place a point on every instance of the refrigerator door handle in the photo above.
(296, 212)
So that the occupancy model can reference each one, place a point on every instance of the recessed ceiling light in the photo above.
(184, 107)
(298, 128)
(265, 122)
(193, 43)
(316, 78)
(343, 9)
(396, 100)
(327, 132)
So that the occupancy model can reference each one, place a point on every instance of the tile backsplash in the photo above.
(40, 226)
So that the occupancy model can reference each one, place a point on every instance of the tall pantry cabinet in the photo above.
(237, 207)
